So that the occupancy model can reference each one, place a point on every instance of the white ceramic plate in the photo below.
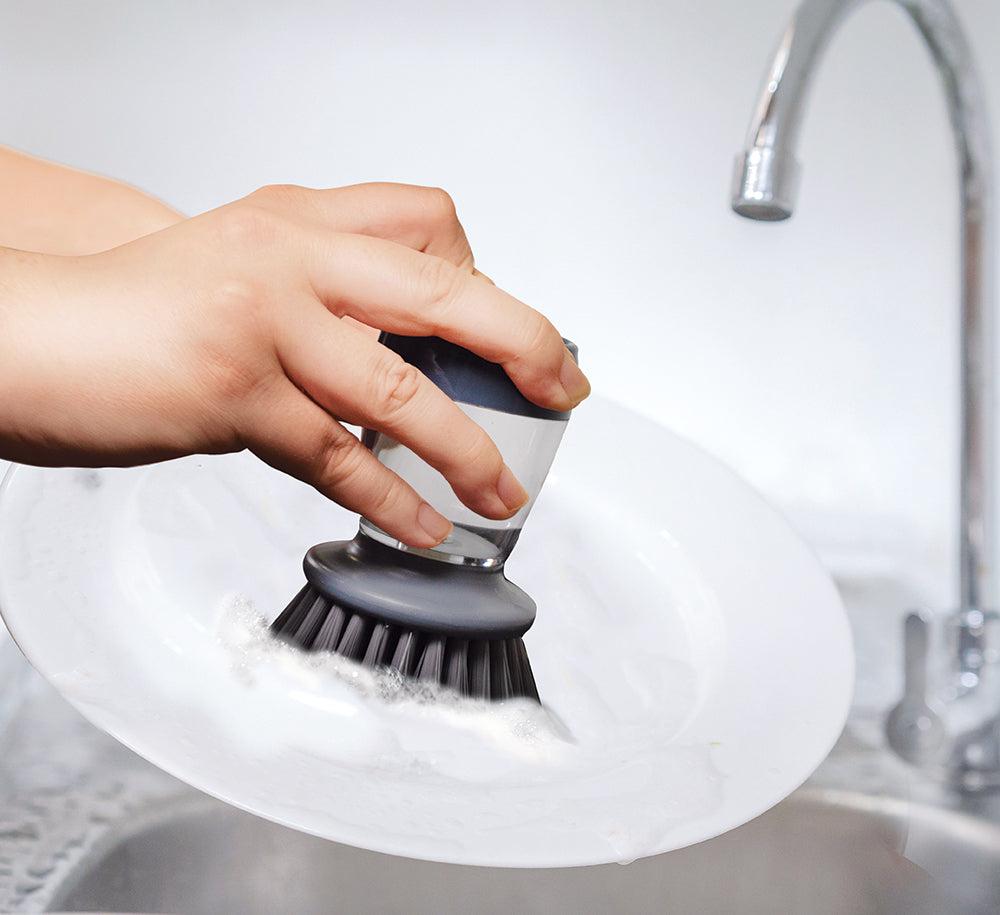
(694, 659)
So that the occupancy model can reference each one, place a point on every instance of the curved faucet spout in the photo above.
(766, 179)
(764, 188)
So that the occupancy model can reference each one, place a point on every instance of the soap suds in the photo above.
(507, 761)
(162, 590)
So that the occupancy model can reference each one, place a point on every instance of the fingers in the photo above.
(361, 382)
(296, 436)
(395, 258)
(410, 270)
(410, 292)
(421, 218)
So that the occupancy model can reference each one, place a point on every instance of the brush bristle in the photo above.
(484, 669)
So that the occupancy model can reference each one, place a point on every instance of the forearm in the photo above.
(60, 210)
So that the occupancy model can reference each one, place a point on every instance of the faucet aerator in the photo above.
(764, 184)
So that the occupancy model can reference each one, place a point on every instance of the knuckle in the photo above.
(387, 500)
(346, 468)
(248, 224)
(396, 388)
(280, 193)
(538, 333)
(538, 337)
(440, 220)
(339, 459)
(438, 282)
(439, 206)
(237, 311)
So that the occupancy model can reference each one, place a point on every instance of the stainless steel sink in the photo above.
(839, 853)
(85, 825)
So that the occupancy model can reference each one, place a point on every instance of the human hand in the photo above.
(233, 330)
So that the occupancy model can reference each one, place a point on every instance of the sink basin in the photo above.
(86, 825)
(838, 853)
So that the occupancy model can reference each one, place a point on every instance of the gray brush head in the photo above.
(419, 592)
(453, 625)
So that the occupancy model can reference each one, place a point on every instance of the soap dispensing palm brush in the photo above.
(446, 615)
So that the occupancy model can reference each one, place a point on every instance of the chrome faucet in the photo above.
(764, 187)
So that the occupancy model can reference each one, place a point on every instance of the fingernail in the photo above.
(513, 495)
(573, 381)
(434, 524)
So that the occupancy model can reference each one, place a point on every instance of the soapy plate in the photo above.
(694, 660)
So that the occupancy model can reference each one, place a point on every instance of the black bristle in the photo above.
(500, 682)
(303, 617)
(328, 637)
(456, 665)
(431, 666)
(482, 669)
(290, 618)
(380, 645)
(523, 678)
(479, 669)
(407, 653)
(354, 641)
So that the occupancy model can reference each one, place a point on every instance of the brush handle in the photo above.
(467, 378)
(527, 435)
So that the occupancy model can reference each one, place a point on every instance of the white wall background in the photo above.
(588, 146)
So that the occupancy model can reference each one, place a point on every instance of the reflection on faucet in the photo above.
(764, 188)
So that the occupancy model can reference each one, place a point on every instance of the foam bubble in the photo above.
(630, 787)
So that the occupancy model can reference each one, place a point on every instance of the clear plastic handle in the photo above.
(528, 445)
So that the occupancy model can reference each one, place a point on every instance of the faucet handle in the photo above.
(914, 729)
